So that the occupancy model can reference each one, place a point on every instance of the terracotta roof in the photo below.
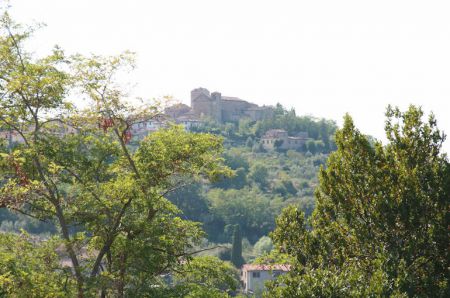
(264, 267)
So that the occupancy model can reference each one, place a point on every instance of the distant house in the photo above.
(188, 122)
(144, 127)
(254, 276)
(279, 139)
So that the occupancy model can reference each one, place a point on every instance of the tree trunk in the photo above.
(70, 251)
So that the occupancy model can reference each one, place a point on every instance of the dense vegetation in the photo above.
(380, 227)
(116, 233)
(90, 212)
(262, 184)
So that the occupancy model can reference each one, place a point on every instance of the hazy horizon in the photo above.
(324, 58)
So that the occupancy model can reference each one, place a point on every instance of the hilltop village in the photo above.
(206, 106)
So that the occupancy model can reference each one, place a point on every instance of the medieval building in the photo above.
(224, 108)
(219, 108)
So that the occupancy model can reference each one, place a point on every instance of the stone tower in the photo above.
(216, 101)
(201, 102)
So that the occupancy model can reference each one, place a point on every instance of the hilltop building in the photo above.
(219, 108)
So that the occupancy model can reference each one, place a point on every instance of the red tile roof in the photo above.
(256, 267)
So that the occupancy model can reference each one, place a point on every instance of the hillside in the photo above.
(264, 181)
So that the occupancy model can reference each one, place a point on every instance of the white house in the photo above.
(279, 138)
(253, 275)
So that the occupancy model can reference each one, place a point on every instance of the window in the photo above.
(255, 274)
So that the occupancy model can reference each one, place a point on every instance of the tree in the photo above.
(249, 143)
(75, 168)
(206, 277)
(380, 225)
(236, 250)
(190, 199)
(248, 208)
(259, 174)
(31, 269)
(311, 146)
(263, 246)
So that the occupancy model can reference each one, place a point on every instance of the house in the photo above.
(254, 276)
(279, 139)
(142, 128)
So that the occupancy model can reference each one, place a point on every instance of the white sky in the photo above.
(323, 58)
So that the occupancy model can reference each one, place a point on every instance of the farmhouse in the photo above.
(253, 276)
(279, 139)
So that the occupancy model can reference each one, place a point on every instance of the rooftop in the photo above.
(229, 98)
(264, 267)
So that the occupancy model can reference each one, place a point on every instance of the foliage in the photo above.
(236, 249)
(274, 257)
(31, 269)
(380, 225)
(259, 174)
(206, 277)
(263, 245)
(247, 208)
(122, 209)
(75, 169)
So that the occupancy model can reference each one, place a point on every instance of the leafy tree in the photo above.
(237, 181)
(206, 277)
(263, 246)
(320, 146)
(191, 201)
(258, 148)
(248, 208)
(259, 174)
(380, 225)
(236, 250)
(249, 143)
(75, 169)
(234, 160)
(30, 269)
(245, 127)
(311, 146)
(274, 257)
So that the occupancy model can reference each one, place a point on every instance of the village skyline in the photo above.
(322, 64)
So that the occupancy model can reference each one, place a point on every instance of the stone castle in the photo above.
(219, 108)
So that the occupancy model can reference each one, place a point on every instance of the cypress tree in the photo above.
(236, 252)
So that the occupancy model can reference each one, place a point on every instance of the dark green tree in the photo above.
(236, 250)
(249, 143)
(259, 174)
(380, 225)
(311, 146)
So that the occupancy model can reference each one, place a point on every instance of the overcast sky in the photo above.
(323, 58)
